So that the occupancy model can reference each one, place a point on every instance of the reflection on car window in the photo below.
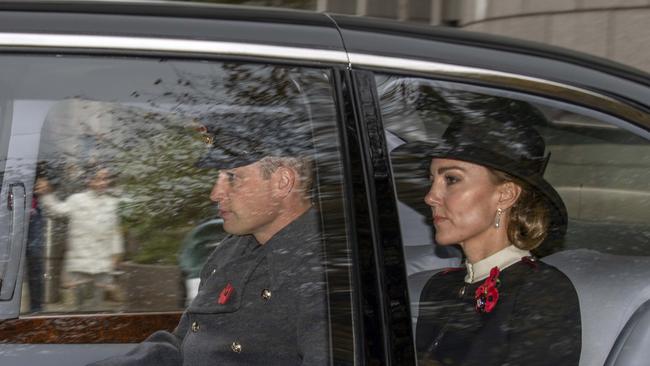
(5, 132)
(599, 168)
(595, 164)
(121, 218)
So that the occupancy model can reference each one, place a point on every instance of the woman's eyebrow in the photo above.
(443, 169)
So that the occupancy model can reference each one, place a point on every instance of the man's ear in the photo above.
(285, 180)
(509, 193)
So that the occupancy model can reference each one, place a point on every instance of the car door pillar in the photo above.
(13, 246)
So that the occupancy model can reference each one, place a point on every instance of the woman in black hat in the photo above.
(488, 195)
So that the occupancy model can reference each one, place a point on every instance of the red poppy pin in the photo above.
(487, 294)
(225, 294)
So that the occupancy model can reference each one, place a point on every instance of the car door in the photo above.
(122, 96)
(597, 131)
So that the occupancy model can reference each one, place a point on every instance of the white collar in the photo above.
(502, 259)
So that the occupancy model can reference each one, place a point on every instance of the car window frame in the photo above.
(635, 118)
(50, 329)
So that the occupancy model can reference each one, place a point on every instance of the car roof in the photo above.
(332, 32)
(305, 17)
(488, 41)
(173, 20)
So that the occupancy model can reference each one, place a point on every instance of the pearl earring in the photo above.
(497, 219)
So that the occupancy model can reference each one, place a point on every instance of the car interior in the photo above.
(601, 170)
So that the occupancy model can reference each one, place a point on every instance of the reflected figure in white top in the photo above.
(95, 244)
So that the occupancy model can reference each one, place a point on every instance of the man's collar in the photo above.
(502, 259)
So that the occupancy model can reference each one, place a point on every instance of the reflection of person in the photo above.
(35, 255)
(262, 299)
(95, 243)
(487, 195)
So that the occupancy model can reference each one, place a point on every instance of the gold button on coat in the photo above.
(266, 294)
(236, 347)
(195, 327)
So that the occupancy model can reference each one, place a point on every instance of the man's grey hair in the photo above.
(304, 166)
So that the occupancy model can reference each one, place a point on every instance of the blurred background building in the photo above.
(618, 30)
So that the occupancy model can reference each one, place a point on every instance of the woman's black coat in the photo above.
(536, 320)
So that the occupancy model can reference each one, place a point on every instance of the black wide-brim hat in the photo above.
(498, 141)
(241, 138)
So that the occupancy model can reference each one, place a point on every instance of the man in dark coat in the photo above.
(262, 298)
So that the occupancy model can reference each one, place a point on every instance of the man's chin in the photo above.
(232, 229)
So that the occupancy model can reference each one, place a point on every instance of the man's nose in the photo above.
(217, 194)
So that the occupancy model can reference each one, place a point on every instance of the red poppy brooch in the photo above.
(487, 294)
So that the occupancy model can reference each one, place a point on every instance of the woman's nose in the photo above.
(432, 198)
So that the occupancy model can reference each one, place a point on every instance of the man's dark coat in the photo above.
(256, 305)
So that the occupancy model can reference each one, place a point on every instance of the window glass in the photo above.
(5, 131)
(595, 162)
(599, 165)
(121, 218)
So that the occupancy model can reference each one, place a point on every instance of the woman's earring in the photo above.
(497, 219)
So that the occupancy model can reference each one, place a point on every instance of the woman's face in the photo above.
(463, 200)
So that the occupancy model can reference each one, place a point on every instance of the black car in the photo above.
(129, 87)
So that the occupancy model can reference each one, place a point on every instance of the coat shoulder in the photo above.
(443, 281)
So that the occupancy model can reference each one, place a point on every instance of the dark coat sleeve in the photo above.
(162, 348)
(311, 290)
(312, 325)
(545, 324)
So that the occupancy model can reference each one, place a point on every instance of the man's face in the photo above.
(246, 200)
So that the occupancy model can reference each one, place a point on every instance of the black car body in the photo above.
(365, 86)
